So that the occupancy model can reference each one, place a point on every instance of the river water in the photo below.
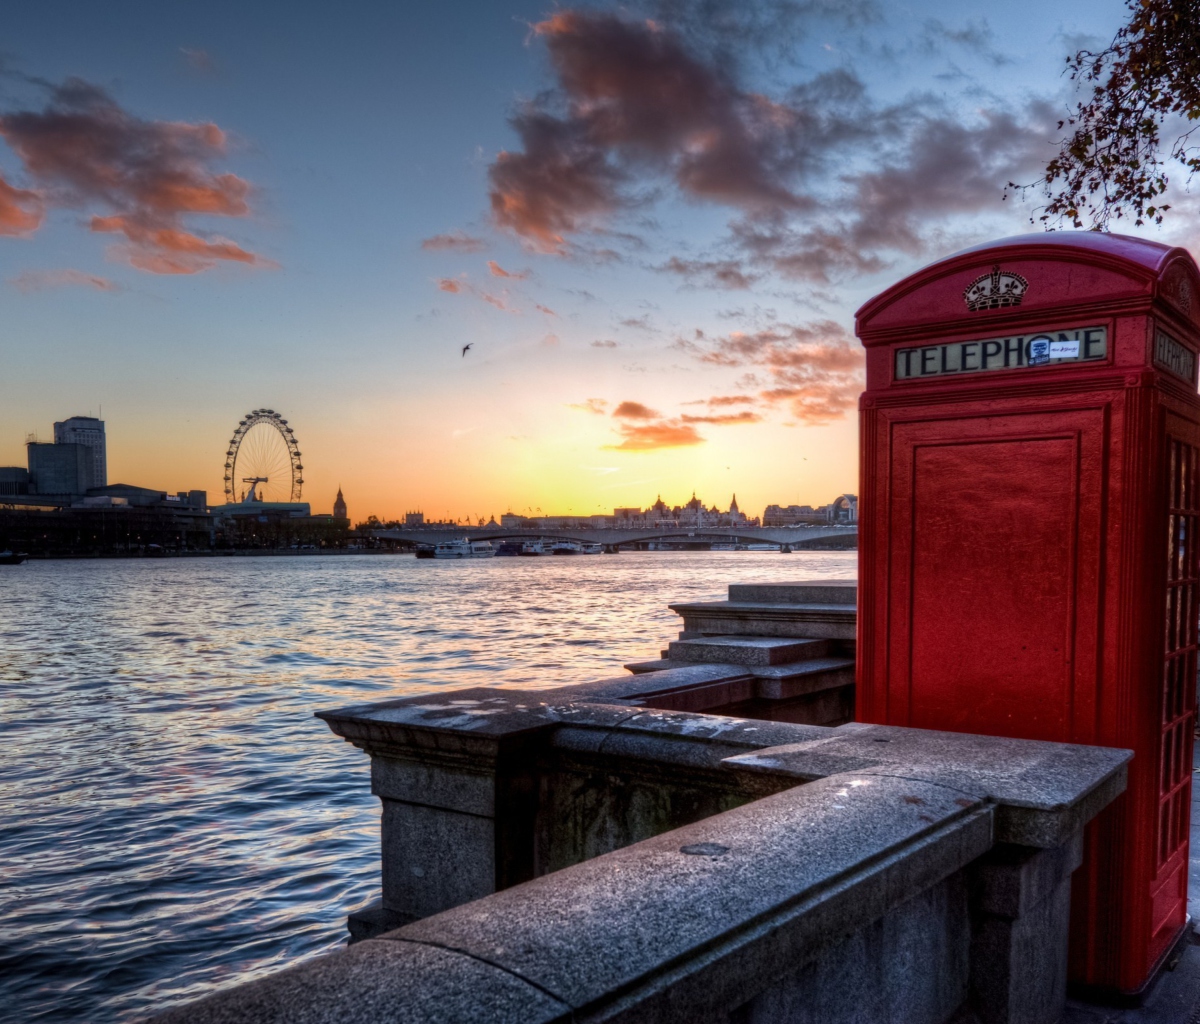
(172, 817)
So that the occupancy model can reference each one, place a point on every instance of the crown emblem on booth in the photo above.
(995, 290)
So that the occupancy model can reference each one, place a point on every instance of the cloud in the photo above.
(975, 36)
(147, 176)
(598, 406)
(453, 241)
(44, 280)
(605, 343)
(641, 323)
(826, 182)
(496, 270)
(711, 273)
(815, 369)
(720, 401)
(544, 309)
(631, 98)
(727, 419)
(644, 429)
(635, 411)
(645, 437)
(461, 286)
(21, 211)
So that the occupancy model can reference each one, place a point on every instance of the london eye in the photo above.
(263, 460)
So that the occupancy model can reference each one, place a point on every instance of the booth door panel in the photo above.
(1178, 688)
(996, 540)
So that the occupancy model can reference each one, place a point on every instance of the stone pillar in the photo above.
(1020, 922)
(458, 783)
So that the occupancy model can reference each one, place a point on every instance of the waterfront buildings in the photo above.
(59, 469)
(339, 506)
(89, 432)
(842, 510)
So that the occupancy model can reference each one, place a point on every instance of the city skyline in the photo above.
(317, 214)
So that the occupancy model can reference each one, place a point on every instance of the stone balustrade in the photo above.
(572, 855)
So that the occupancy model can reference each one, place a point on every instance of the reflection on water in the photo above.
(172, 817)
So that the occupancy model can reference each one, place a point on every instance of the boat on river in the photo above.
(464, 548)
(591, 548)
(566, 547)
(532, 547)
(12, 557)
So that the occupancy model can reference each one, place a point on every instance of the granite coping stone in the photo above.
(374, 982)
(802, 592)
(742, 897)
(681, 738)
(1045, 791)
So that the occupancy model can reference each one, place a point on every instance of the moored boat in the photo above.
(464, 548)
(565, 547)
(591, 549)
(453, 549)
(532, 547)
(12, 557)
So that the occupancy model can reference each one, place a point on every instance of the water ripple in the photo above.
(173, 819)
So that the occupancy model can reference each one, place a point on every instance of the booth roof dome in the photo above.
(1142, 251)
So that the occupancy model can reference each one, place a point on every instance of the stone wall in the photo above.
(892, 874)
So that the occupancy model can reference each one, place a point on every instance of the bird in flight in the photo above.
(465, 347)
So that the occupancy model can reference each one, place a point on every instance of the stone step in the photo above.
(841, 592)
(783, 682)
(800, 621)
(655, 679)
(746, 650)
(668, 676)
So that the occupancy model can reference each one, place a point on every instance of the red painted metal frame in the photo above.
(1024, 535)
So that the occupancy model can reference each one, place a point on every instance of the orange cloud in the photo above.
(496, 270)
(727, 419)
(544, 309)
(447, 284)
(645, 437)
(816, 368)
(20, 210)
(84, 149)
(43, 280)
(169, 250)
(635, 411)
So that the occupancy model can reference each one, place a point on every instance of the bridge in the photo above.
(792, 537)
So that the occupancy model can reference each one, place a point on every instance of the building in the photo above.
(339, 506)
(844, 510)
(14, 480)
(414, 518)
(89, 432)
(60, 468)
(736, 516)
(793, 515)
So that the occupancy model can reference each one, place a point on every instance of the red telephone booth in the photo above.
(1029, 556)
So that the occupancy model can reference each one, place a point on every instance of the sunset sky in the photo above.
(653, 223)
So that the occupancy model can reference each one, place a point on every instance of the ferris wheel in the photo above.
(263, 460)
